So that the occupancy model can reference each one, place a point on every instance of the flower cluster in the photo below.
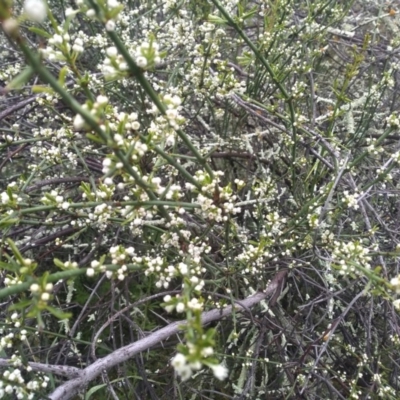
(41, 293)
(172, 104)
(393, 120)
(185, 369)
(10, 198)
(350, 258)
(96, 108)
(351, 199)
(221, 205)
(61, 47)
(95, 267)
(53, 198)
(146, 56)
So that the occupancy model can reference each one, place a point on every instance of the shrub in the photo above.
(199, 199)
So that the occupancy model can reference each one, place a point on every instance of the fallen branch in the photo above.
(71, 388)
(62, 370)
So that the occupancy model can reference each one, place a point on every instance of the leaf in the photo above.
(42, 89)
(214, 19)
(21, 305)
(7, 221)
(93, 390)
(9, 266)
(40, 32)
(378, 269)
(95, 138)
(63, 73)
(58, 313)
(20, 80)
(16, 252)
(59, 264)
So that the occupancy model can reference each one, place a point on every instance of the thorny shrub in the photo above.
(164, 158)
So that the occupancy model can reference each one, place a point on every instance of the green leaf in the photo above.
(20, 80)
(216, 20)
(8, 221)
(40, 32)
(250, 13)
(21, 305)
(9, 266)
(93, 390)
(59, 263)
(58, 313)
(63, 73)
(42, 89)
(16, 252)
(378, 269)
(95, 138)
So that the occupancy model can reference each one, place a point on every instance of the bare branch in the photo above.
(62, 370)
(70, 388)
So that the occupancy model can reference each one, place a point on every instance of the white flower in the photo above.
(91, 13)
(70, 11)
(141, 62)
(112, 51)
(207, 351)
(45, 296)
(49, 287)
(178, 361)
(34, 287)
(180, 307)
(35, 10)
(110, 25)
(102, 99)
(182, 368)
(79, 122)
(220, 372)
(395, 282)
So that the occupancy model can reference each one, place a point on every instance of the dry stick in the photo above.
(62, 370)
(71, 388)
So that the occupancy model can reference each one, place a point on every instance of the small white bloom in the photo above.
(102, 99)
(178, 361)
(79, 122)
(141, 62)
(91, 13)
(396, 304)
(108, 181)
(180, 307)
(35, 10)
(110, 25)
(220, 372)
(34, 287)
(70, 11)
(45, 296)
(112, 51)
